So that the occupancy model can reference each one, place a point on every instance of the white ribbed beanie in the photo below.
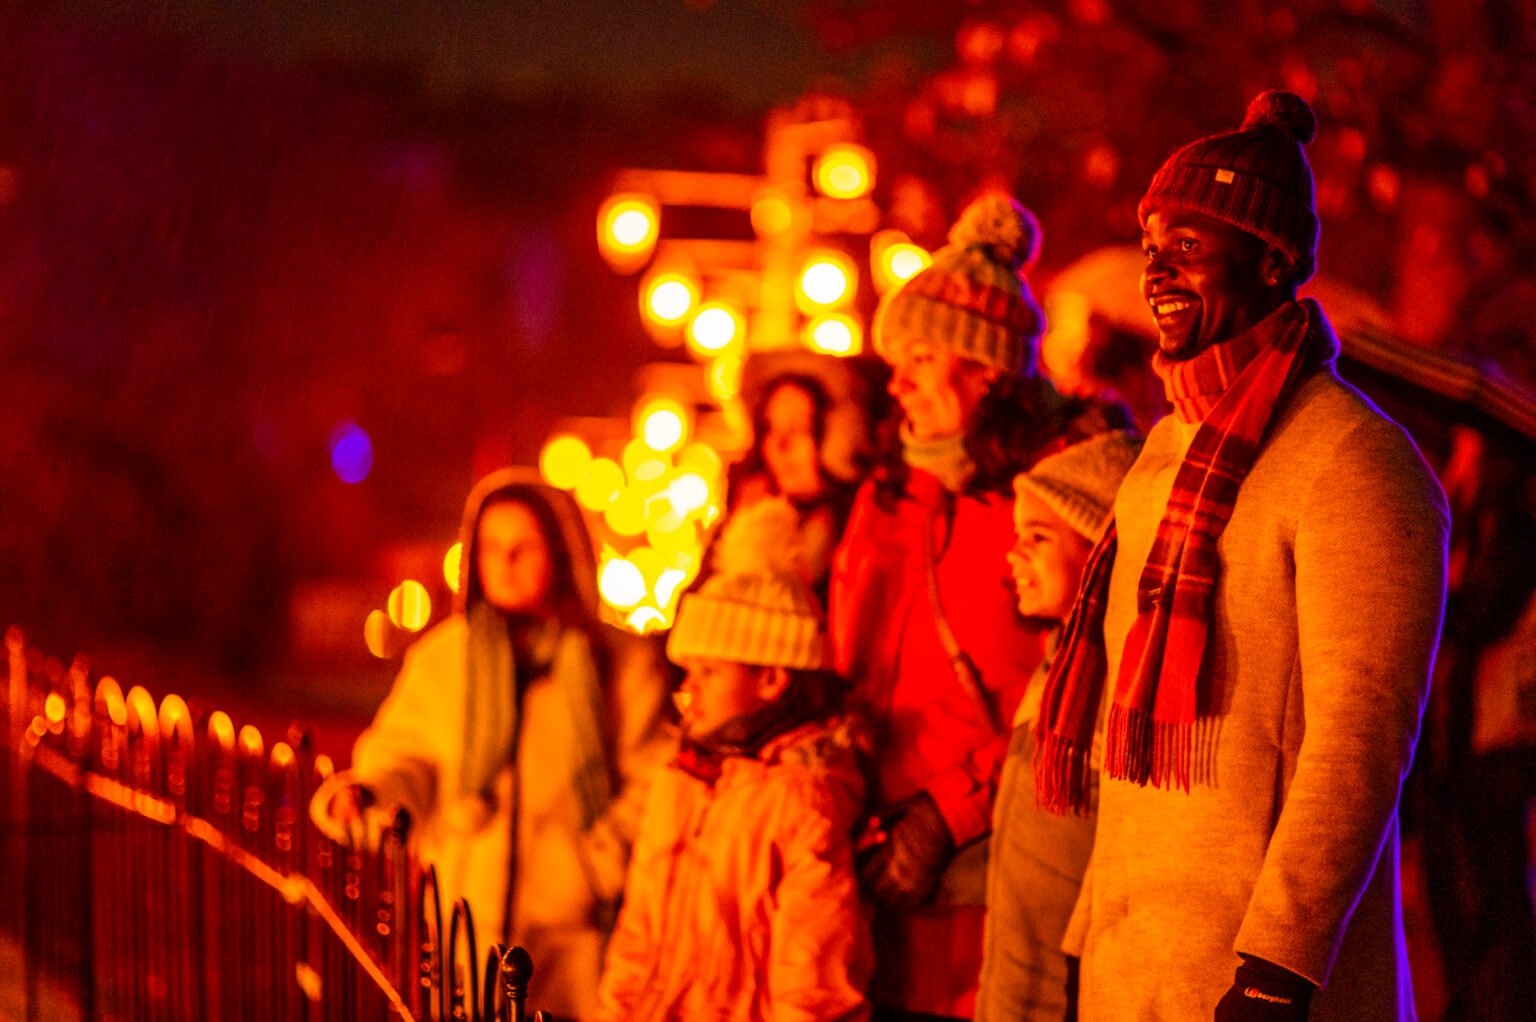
(758, 608)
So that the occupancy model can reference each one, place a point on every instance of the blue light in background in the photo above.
(351, 453)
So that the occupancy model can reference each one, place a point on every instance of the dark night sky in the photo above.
(749, 52)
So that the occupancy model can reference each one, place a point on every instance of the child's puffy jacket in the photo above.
(742, 902)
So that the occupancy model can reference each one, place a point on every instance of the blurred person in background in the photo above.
(922, 613)
(810, 445)
(520, 735)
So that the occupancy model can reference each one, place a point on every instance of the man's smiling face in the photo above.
(1205, 280)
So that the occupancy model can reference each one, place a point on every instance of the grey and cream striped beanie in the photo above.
(758, 607)
(973, 300)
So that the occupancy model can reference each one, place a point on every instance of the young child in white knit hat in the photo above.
(1061, 508)
(742, 902)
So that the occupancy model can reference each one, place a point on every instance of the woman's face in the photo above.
(789, 442)
(513, 560)
(938, 390)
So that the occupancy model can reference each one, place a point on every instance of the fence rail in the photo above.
(158, 865)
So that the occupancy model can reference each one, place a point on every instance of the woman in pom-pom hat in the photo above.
(922, 615)
(1258, 636)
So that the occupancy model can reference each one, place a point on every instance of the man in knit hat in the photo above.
(742, 902)
(1061, 507)
(1255, 633)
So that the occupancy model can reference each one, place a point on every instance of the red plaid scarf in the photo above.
(1163, 687)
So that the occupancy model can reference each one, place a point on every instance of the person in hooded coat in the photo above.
(520, 735)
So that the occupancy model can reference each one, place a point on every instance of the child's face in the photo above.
(1047, 559)
(715, 692)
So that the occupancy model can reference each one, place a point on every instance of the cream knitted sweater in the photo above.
(1327, 616)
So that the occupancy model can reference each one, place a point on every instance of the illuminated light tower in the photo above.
(628, 226)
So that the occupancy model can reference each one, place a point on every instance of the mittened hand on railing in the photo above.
(905, 856)
(340, 810)
(1265, 992)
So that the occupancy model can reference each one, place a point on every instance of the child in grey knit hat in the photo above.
(1062, 506)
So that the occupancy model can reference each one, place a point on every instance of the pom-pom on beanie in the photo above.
(758, 607)
(1079, 483)
(973, 299)
(1256, 178)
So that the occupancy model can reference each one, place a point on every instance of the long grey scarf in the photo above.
(491, 706)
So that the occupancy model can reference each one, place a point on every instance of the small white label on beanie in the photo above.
(1224, 176)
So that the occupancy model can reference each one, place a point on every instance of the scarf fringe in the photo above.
(1143, 750)
(1062, 773)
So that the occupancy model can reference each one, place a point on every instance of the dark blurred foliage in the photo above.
(1426, 156)
(207, 265)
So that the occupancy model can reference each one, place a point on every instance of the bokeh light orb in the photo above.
(351, 453)
(451, 562)
(564, 460)
(621, 584)
(844, 171)
(409, 605)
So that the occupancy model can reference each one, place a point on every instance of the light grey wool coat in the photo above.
(1327, 616)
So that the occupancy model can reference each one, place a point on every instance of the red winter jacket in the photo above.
(931, 735)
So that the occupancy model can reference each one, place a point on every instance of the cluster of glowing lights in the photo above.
(627, 228)
(844, 171)
(827, 280)
(834, 334)
(656, 498)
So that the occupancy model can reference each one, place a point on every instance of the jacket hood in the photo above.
(524, 484)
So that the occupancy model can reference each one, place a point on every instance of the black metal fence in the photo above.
(156, 865)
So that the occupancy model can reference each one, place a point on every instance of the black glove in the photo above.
(1265, 992)
(1073, 964)
(903, 870)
